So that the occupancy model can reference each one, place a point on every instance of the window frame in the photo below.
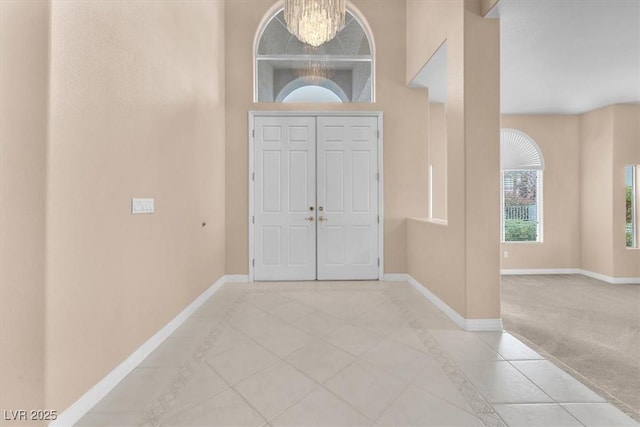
(274, 11)
(539, 206)
(520, 153)
(635, 208)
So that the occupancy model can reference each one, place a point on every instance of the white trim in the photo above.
(380, 116)
(257, 113)
(533, 271)
(474, 325)
(593, 275)
(252, 168)
(355, 13)
(80, 407)
(609, 279)
(442, 306)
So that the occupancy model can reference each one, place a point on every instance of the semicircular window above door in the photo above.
(343, 65)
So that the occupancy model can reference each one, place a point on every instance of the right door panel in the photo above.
(347, 192)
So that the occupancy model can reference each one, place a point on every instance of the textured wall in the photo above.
(405, 124)
(459, 261)
(24, 53)
(137, 110)
(437, 159)
(559, 140)
(626, 151)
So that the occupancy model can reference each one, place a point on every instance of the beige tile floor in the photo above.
(342, 354)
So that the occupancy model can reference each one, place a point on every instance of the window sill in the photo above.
(438, 221)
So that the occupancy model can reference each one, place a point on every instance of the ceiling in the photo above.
(562, 56)
(568, 56)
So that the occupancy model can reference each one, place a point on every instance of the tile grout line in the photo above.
(283, 359)
(166, 400)
(572, 372)
(438, 397)
(356, 359)
(485, 412)
(231, 387)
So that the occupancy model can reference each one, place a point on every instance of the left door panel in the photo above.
(285, 198)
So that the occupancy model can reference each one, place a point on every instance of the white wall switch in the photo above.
(142, 206)
(506, 254)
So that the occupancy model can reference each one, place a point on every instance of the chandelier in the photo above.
(315, 68)
(315, 22)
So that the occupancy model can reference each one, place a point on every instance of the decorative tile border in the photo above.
(476, 401)
(162, 404)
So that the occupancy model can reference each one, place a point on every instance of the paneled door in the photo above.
(315, 198)
(285, 198)
(347, 189)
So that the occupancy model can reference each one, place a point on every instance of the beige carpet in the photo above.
(591, 329)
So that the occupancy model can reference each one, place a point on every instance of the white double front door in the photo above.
(316, 198)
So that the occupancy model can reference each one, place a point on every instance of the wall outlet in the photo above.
(142, 206)
(505, 254)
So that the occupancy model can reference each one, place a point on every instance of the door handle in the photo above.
(310, 219)
(321, 218)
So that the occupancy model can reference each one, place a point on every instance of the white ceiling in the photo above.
(434, 76)
(568, 56)
(560, 56)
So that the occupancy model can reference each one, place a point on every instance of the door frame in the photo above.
(251, 176)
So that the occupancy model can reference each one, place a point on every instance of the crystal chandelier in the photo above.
(315, 68)
(315, 21)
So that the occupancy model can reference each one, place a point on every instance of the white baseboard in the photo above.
(609, 279)
(533, 271)
(237, 278)
(466, 324)
(598, 276)
(77, 410)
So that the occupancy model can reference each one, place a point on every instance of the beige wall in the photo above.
(459, 262)
(433, 248)
(610, 140)
(583, 200)
(24, 46)
(626, 151)
(437, 159)
(596, 223)
(137, 110)
(482, 162)
(405, 124)
(559, 140)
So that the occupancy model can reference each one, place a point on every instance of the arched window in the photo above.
(284, 64)
(522, 165)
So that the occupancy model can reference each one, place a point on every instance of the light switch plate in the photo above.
(142, 206)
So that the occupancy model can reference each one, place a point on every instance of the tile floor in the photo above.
(342, 354)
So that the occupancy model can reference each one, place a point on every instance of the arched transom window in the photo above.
(522, 165)
(286, 66)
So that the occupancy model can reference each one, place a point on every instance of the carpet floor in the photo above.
(589, 328)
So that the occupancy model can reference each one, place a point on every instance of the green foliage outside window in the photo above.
(516, 230)
(520, 209)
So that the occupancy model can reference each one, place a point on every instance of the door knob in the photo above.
(321, 218)
(320, 208)
(309, 219)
